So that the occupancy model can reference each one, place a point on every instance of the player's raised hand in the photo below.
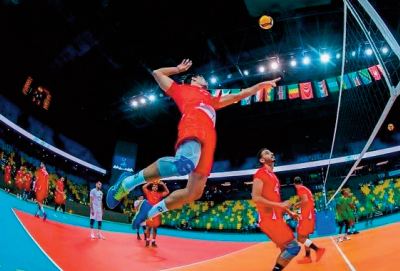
(185, 65)
(269, 84)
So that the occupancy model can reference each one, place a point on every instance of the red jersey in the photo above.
(42, 181)
(7, 173)
(270, 191)
(191, 98)
(153, 197)
(28, 181)
(19, 182)
(307, 208)
(60, 185)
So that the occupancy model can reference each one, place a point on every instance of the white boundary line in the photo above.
(209, 260)
(33, 239)
(351, 267)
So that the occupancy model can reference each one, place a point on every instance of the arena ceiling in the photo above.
(95, 55)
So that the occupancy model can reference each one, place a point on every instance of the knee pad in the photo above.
(291, 250)
(184, 165)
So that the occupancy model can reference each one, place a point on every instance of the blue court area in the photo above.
(20, 252)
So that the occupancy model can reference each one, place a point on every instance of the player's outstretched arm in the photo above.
(234, 98)
(162, 75)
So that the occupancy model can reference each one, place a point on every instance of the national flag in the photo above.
(355, 80)
(375, 72)
(306, 91)
(225, 92)
(346, 81)
(321, 90)
(269, 95)
(281, 92)
(364, 76)
(333, 85)
(246, 101)
(235, 90)
(293, 91)
(259, 96)
(381, 69)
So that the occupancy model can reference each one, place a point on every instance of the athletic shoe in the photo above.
(153, 244)
(117, 192)
(36, 215)
(141, 214)
(304, 260)
(346, 238)
(320, 252)
(100, 236)
(147, 243)
(44, 217)
(92, 236)
(138, 237)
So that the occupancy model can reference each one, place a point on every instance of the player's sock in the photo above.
(131, 182)
(277, 267)
(310, 244)
(308, 251)
(157, 209)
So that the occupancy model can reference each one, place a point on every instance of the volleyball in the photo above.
(266, 22)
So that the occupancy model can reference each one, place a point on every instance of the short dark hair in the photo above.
(297, 180)
(259, 154)
(187, 79)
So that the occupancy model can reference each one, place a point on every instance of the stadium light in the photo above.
(261, 69)
(274, 65)
(306, 60)
(134, 103)
(142, 100)
(213, 80)
(246, 72)
(152, 98)
(385, 50)
(368, 51)
(293, 62)
(338, 55)
(325, 57)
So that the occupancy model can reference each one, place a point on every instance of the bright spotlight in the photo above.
(246, 72)
(261, 69)
(229, 76)
(385, 50)
(368, 51)
(338, 55)
(274, 65)
(306, 60)
(293, 63)
(325, 57)
(152, 98)
(353, 53)
(213, 80)
(142, 100)
(134, 103)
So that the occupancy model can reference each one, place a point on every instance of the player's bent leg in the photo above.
(183, 163)
(288, 253)
(192, 191)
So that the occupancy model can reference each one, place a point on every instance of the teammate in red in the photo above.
(195, 145)
(153, 196)
(27, 183)
(60, 196)
(7, 176)
(306, 224)
(19, 181)
(266, 195)
(41, 189)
